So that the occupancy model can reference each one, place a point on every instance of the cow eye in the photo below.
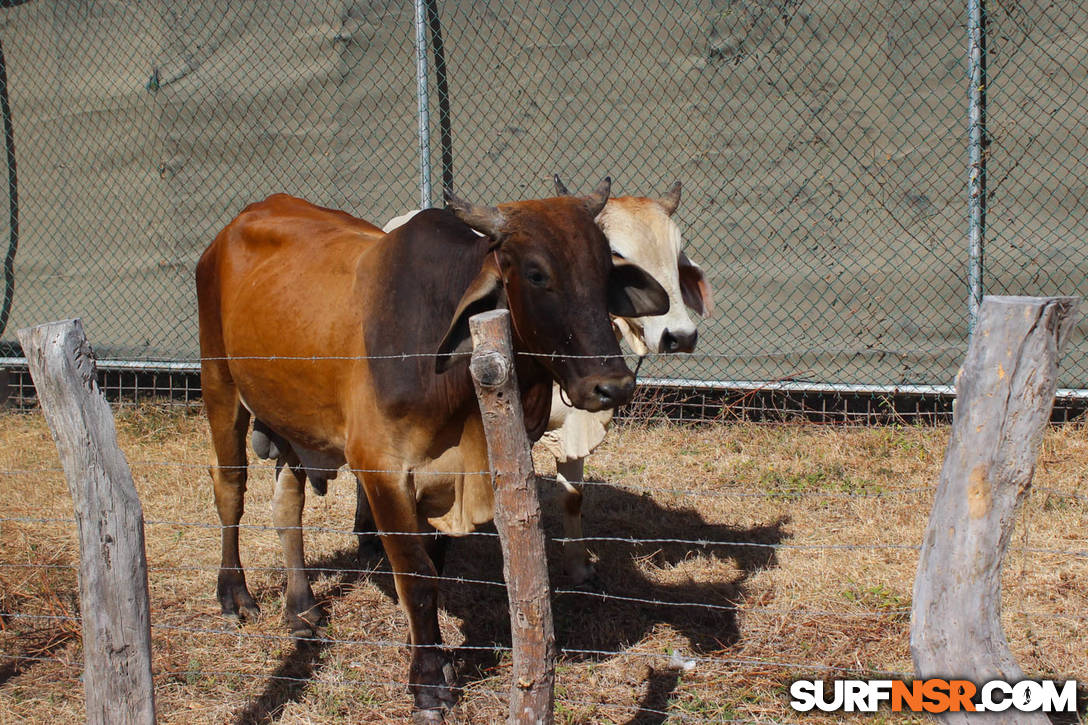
(536, 276)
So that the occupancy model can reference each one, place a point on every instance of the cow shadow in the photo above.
(590, 625)
(630, 604)
(289, 681)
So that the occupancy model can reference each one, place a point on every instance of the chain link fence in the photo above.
(822, 147)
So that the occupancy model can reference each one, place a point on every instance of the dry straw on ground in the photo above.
(805, 607)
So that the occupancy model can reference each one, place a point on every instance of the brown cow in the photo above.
(355, 353)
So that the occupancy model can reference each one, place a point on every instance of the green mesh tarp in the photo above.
(822, 146)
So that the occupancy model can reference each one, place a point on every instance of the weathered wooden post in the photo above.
(1005, 391)
(517, 518)
(113, 596)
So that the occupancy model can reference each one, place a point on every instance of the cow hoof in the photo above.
(233, 595)
(308, 624)
(431, 715)
(242, 613)
(436, 699)
(240, 608)
(301, 630)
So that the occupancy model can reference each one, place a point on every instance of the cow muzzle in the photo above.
(679, 341)
(601, 392)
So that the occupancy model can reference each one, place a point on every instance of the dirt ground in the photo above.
(808, 574)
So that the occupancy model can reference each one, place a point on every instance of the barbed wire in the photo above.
(382, 643)
(778, 352)
(460, 580)
(471, 688)
(772, 493)
(704, 543)
(39, 658)
(502, 585)
(467, 689)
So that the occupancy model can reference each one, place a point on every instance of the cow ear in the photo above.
(671, 199)
(694, 288)
(560, 188)
(632, 292)
(485, 293)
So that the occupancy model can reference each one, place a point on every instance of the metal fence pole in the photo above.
(442, 88)
(424, 113)
(13, 197)
(976, 28)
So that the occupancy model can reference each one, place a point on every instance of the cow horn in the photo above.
(671, 199)
(560, 188)
(595, 202)
(487, 220)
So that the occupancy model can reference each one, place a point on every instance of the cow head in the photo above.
(641, 231)
(550, 265)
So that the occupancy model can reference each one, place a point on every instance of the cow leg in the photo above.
(301, 609)
(229, 422)
(437, 546)
(571, 474)
(369, 545)
(414, 573)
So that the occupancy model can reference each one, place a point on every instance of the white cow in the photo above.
(642, 231)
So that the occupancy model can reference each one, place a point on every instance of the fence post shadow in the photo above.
(288, 683)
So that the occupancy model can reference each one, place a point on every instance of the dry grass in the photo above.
(800, 609)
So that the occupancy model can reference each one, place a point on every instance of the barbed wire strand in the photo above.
(746, 355)
(467, 689)
(704, 543)
(482, 648)
(882, 612)
(775, 493)
(559, 591)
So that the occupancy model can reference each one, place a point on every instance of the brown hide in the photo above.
(326, 330)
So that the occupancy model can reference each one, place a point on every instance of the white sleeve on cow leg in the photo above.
(303, 613)
(571, 474)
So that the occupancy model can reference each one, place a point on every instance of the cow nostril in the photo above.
(614, 392)
(678, 342)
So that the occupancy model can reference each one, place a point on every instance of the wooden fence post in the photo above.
(113, 595)
(1005, 391)
(517, 518)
